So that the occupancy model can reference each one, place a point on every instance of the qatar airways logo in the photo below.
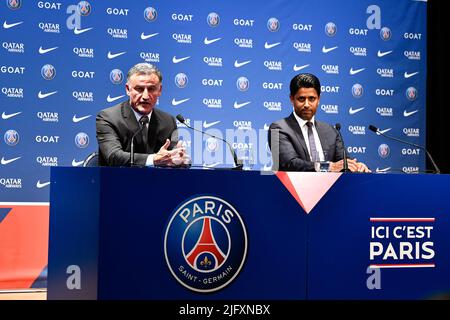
(359, 130)
(48, 116)
(411, 132)
(11, 183)
(243, 42)
(330, 68)
(330, 108)
(182, 38)
(118, 33)
(359, 51)
(12, 92)
(273, 65)
(149, 56)
(45, 161)
(14, 47)
(385, 111)
(49, 27)
(212, 103)
(302, 46)
(385, 73)
(242, 124)
(83, 96)
(272, 105)
(412, 55)
(213, 61)
(83, 52)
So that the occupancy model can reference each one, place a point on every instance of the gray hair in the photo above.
(144, 68)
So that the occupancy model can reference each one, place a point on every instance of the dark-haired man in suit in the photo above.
(302, 143)
(157, 144)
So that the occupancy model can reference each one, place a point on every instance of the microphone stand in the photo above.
(376, 130)
(345, 166)
(237, 162)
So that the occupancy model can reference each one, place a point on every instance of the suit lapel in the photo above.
(323, 138)
(131, 123)
(293, 123)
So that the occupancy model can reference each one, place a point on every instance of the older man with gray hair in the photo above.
(154, 131)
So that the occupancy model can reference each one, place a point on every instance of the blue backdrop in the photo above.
(226, 67)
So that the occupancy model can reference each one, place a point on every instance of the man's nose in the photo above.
(145, 94)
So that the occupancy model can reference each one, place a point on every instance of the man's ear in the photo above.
(127, 88)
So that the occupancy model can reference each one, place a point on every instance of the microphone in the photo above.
(143, 122)
(345, 168)
(376, 130)
(237, 162)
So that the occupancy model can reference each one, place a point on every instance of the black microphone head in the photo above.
(180, 118)
(373, 128)
(337, 126)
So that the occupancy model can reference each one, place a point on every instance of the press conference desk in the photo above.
(130, 233)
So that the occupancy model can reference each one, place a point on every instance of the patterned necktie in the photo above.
(143, 121)
(312, 143)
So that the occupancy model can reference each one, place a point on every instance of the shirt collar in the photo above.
(302, 122)
(139, 116)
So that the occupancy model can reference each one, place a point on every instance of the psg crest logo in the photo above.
(205, 244)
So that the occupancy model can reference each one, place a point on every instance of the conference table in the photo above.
(189, 234)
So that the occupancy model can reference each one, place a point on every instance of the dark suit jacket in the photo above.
(115, 127)
(291, 153)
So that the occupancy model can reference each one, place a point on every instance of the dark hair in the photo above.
(304, 80)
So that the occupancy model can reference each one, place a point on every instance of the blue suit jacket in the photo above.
(289, 150)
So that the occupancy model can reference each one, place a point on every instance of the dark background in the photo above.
(438, 126)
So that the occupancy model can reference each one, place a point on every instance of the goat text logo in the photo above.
(205, 244)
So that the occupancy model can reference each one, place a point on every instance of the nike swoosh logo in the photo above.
(215, 164)
(209, 41)
(10, 25)
(407, 114)
(326, 50)
(383, 170)
(5, 162)
(41, 185)
(240, 105)
(353, 72)
(77, 163)
(383, 131)
(409, 75)
(271, 45)
(148, 36)
(7, 116)
(112, 99)
(298, 68)
(76, 119)
(178, 60)
(115, 55)
(43, 51)
(45, 95)
(382, 54)
(266, 126)
(177, 102)
(80, 31)
(353, 111)
(240, 64)
(207, 125)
